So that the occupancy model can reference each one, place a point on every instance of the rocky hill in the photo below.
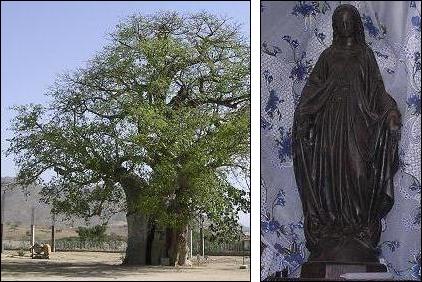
(18, 207)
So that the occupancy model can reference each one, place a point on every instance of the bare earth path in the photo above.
(106, 266)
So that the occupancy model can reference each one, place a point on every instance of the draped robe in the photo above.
(344, 155)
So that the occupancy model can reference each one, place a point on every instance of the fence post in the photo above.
(2, 218)
(2, 237)
(243, 244)
(243, 250)
(202, 243)
(53, 237)
(32, 230)
(191, 243)
(201, 233)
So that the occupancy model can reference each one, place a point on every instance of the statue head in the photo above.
(347, 23)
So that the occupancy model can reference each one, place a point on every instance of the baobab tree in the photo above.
(151, 126)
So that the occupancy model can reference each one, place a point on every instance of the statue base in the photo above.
(333, 270)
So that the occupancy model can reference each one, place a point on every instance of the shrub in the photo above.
(116, 237)
(96, 233)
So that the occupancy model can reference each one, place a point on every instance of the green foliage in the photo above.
(157, 122)
(95, 233)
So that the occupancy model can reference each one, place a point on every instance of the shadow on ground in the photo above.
(103, 266)
(99, 270)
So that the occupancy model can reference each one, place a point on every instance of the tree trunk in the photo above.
(182, 245)
(177, 240)
(141, 229)
(149, 241)
(171, 245)
(136, 252)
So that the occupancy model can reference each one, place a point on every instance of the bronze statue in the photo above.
(345, 147)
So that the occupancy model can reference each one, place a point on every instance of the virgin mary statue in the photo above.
(345, 139)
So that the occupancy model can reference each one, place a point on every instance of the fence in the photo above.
(72, 244)
(221, 249)
(94, 246)
(75, 244)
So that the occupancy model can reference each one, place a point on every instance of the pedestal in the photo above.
(333, 270)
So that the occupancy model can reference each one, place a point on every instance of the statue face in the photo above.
(345, 23)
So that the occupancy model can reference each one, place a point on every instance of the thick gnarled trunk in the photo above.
(177, 238)
(178, 249)
(145, 245)
(140, 233)
(136, 252)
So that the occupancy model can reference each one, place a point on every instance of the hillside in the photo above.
(18, 204)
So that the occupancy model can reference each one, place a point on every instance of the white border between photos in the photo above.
(255, 140)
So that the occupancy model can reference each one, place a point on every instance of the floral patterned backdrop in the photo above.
(293, 34)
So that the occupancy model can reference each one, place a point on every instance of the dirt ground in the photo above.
(106, 266)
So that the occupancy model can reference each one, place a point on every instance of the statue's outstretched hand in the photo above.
(394, 120)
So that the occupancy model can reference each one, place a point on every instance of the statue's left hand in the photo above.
(394, 120)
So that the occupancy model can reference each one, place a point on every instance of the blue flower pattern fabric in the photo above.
(293, 35)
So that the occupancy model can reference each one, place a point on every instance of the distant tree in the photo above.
(152, 126)
(95, 233)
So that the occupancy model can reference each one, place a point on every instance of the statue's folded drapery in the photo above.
(345, 155)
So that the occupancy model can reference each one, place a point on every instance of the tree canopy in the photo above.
(154, 123)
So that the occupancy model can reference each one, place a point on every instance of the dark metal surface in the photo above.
(334, 270)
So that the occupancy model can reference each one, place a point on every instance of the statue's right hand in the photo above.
(394, 120)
